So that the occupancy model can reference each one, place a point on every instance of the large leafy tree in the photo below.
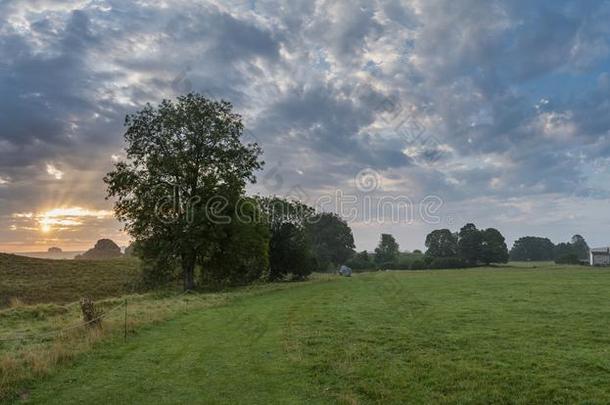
(441, 243)
(387, 251)
(580, 247)
(470, 243)
(331, 238)
(493, 247)
(361, 260)
(242, 252)
(185, 168)
(573, 251)
(532, 248)
(278, 211)
(289, 247)
(563, 249)
(290, 253)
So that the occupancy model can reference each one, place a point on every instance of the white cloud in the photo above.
(54, 171)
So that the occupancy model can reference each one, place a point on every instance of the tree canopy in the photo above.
(441, 243)
(241, 254)
(470, 244)
(579, 246)
(103, 249)
(532, 248)
(469, 247)
(185, 170)
(331, 238)
(387, 251)
(290, 251)
(493, 247)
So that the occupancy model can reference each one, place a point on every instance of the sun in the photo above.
(45, 228)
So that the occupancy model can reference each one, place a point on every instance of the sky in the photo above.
(492, 112)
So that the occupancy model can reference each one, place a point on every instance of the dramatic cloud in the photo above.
(501, 109)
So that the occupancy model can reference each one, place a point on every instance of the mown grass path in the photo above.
(476, 336)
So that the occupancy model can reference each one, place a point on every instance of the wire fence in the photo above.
(57, 332)
(46, 335)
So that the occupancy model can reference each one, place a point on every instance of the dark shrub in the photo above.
(571, 258)
(447, 263)
(418, 265)
(361, 261)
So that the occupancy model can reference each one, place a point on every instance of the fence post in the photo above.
(125, 324)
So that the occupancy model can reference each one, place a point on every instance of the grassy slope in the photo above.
(483, 335)
(34, 281)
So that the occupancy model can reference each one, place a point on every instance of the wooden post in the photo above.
(125, 338)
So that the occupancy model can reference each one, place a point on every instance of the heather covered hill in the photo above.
(29, 280)
(104, 249)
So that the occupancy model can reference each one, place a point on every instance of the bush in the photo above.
(405, 260)
(447, 263)
(242, 256)
(571, 258)
(400, 265)
(361, 261)
(387, 266)
(418, 265)
(157, 264)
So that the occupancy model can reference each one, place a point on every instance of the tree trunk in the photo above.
(188, 270)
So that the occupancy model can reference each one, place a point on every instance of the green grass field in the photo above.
(507, 335)
(31, 281)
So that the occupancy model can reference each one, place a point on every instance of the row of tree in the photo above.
(386, 255)
(181, 194)
(302, 240)
(274, 239)
(533, 248)
(445, 249)
(468, 247)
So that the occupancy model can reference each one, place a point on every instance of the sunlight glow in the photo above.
(61, 218)
(45, 228)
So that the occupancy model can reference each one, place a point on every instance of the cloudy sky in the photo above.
(496, 112)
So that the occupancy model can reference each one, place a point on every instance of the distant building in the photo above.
(599, 257)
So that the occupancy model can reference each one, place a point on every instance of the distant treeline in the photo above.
(445, 249)
(468, 248)
(533, 248)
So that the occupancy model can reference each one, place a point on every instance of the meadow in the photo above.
(529, 333)
(27, 280)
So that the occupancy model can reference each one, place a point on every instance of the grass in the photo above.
(30, 349)
(507, 335)
(25, 280)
